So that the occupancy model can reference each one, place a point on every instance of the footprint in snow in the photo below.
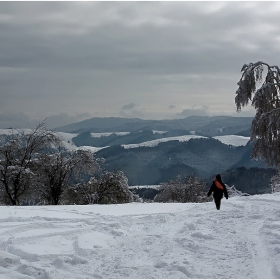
(160, 264)
(202, 235)
(191, 226)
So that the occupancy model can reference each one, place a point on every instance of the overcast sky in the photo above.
(70, 61)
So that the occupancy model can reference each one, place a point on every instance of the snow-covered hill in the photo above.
(234, 140)
(154, 143)
(143, 240)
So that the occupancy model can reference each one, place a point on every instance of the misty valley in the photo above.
(152, 164)
(150, 152)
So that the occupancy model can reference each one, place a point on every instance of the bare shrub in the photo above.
(182, 189)
(109, 188)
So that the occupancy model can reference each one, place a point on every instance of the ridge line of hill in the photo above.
(110, 124)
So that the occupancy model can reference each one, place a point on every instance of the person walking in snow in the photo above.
(219, 189)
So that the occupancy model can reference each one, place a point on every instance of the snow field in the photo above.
(154, 143)
(234, 140)
(143, 240)
(66, 138)
(100, 134)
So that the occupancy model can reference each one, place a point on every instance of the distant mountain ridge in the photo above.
(154, 165)
(150, 152)
(206, 126)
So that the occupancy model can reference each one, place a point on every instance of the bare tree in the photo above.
(182, 189)
(61, 170)
(109, 188)
(265, 97)
(275, 183)
(18, 153)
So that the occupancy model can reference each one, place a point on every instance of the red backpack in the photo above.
(218, 185)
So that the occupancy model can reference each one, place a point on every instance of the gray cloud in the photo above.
(194, 111)
(15, 120)
(129, 106)
(62, 119)
(21, 120)
(133, 114)
(74, 58)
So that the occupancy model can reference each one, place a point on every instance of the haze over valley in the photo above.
(152, 152)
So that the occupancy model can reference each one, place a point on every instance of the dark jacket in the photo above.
(218, 192)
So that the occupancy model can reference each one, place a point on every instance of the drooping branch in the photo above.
(265, 127)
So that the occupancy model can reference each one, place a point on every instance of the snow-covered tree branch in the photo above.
(18, 154)
(263, 91)
(108, 188)
(34, 166)
(61, 170)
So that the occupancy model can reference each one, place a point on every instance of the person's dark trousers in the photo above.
(218, 203)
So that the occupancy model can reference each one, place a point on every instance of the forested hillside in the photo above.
(153, 165)
(249, 180)
(134, 137)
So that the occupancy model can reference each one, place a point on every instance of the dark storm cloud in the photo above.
(160, 42)
(72, 58)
